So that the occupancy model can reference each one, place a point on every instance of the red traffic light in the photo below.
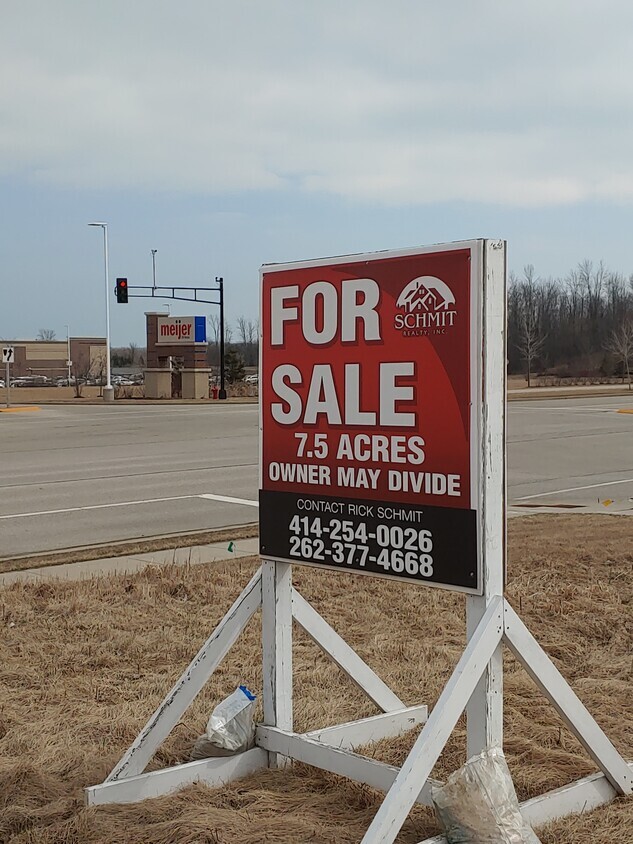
(121, 291)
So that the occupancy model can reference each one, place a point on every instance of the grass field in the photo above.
(82, 665)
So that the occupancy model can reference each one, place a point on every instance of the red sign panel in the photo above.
(368, 414)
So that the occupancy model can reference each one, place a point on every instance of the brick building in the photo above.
(176, 357)
(48, 357)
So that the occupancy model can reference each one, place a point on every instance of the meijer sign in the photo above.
(370, 368)
(182, 330)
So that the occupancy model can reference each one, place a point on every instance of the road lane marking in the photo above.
(208, 496)
(96, 507)
(40, 484)
(567, 410)
(229, 500)
(573, 489)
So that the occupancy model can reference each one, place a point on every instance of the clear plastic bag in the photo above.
(230, 728)
(478, 804)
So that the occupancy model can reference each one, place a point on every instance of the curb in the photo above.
(129, 548)
(216, 552)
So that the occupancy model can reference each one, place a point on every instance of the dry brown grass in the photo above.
(83, 664)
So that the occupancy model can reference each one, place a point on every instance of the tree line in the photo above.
(241, 346)
(579, 326)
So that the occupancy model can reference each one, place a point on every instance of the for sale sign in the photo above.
(370, 399)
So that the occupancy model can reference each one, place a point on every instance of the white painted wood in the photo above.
(573, 712)
(437, 839)
(578, 797)
(202, 666)
(345, 763)
(485, 708)
(212, 772)
(356, 733)
(342, 654)
(435, 733)
(277, 648)
(574, 799)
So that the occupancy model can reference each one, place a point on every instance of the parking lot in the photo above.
(82, 475)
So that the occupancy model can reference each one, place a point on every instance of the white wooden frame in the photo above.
(330, 748)
(333, 748)
(475, 685)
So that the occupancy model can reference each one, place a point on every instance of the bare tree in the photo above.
(214, 325)
(530, 336)
(253, 331)
(530, 345)
(242, 327)
(248, 331)
(213, 349)
(620, 345)
(92, 368)
(575, 315)
(133, 347)
(46, 334)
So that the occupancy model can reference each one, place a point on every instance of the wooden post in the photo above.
(429, 744)
(485, 709)
(190, 683)
(277, 648)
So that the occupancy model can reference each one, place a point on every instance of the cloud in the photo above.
(403, 103)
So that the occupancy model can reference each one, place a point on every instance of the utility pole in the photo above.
(154, 251)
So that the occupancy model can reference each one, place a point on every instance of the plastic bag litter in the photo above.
(230, 728)
(478, 804)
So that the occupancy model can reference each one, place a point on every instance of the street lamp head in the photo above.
(101, 225)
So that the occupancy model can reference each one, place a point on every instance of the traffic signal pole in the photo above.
(220, 283)
(182, 294)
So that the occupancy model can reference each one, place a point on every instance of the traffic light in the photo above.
(121, 291)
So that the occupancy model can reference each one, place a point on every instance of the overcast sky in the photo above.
(230, 134)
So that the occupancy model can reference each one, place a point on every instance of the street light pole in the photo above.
(154, 251)
(68, 359)
(108, 390)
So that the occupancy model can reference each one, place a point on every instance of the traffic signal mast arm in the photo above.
(122, 295)
(165, 292)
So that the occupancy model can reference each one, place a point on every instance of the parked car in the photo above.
(2, 384)
(252, 379)
(32, 381)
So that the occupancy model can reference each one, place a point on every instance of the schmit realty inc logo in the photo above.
(428, 307)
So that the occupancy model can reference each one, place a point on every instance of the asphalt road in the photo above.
(72, 476)
(571, 453)
(83, 475)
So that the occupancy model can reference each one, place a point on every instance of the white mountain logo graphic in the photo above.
(426, 293)
(429, 307)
